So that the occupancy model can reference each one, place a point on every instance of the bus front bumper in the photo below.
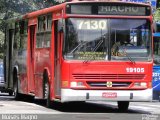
(106, 95)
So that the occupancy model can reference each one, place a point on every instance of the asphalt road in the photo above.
(36, 110)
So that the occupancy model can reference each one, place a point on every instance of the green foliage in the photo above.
(2, 5)
(13, 8)
(157, 15)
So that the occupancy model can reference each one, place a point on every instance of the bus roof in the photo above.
(62, 5)
(44, 11)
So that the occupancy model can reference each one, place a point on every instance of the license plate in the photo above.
(109, 95)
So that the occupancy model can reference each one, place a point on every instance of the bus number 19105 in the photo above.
(134, 70)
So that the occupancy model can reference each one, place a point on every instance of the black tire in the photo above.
(28, 98)
(46, 93)
(10, 93)
(123, 106)
(16, 93)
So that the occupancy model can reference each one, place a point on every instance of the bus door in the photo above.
(31, 82)
(57, 63)
(9, 57)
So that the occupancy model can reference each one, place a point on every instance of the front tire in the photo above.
(123, 106)
(47, 92)
(10, 93)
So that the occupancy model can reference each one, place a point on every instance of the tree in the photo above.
(157, 15)
(2, 5)
(13, 8)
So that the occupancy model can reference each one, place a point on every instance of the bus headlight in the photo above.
(143, 84)
(140, 84)
(77, 84)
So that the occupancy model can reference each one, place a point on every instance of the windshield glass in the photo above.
(156, 51)
(1, 70)
(130, 38)
(107, 39)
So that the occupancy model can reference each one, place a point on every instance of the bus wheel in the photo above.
(16, 94)
(10, 93)
(47, 93)
(123, 106)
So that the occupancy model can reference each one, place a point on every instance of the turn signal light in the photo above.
(65, 84)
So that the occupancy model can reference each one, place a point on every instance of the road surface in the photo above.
(36, 110)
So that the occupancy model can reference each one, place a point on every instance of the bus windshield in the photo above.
(107, 39)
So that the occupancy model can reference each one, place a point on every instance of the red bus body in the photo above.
(71, 80)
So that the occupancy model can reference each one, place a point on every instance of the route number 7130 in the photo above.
(92, 24)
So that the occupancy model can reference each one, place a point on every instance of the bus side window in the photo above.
(39, 40)
(49, 22)
(17, 36)
(44, 31)
(47, 39)
(41, 23)
(43, 39)
(48, 32)
(23, 34)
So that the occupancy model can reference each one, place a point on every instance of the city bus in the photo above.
(156, 67)
(65, 53)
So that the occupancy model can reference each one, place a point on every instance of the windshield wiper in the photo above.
(129, 57)
(80, 44)
(125, 52)
(94, 49)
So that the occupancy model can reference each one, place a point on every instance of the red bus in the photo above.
(82, 51)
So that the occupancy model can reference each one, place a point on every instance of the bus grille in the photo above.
(104, 84)
(109, 76)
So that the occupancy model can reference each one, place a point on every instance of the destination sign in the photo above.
(109, 9)
(121, 10)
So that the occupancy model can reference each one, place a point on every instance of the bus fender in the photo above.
(15, 74)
